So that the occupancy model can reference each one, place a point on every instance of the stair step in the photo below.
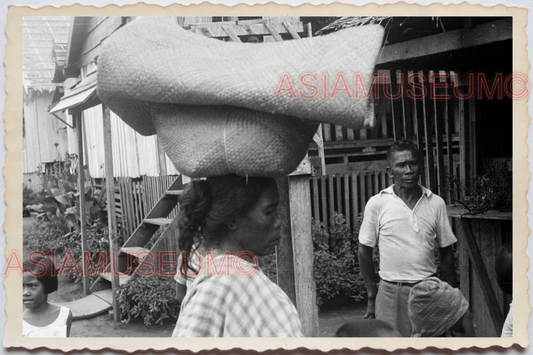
(158, 221)
(134, 251)
(174, 192)
(122, 279)
(106, 295)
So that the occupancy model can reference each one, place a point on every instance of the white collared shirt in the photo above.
(407, 238)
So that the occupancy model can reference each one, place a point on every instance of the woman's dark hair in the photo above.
(504, 268)
(207, 205)
(43, 269)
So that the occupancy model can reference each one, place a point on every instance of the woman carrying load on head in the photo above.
(231, 220)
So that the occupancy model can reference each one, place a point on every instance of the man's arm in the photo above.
(447, 267)
(369, 277)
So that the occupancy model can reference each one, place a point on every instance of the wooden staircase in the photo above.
(157, 233)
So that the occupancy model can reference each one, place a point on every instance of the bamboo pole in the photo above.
(83, 206)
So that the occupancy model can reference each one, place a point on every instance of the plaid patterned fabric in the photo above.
(235, 300)
(187, 278)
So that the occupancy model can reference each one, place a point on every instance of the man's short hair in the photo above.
(43, 269)
(402, 145)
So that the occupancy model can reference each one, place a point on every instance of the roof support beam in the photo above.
(486, 33)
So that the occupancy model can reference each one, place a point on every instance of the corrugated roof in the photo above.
(45, 41)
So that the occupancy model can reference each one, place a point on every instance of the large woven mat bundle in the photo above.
(214, 104)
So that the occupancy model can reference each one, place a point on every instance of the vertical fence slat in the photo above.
(376, 182)
(338, 178)
(316, 212)
(428, 137)
(131, 204)
(338, 133)
(449, 138)
(350, 134)
(362, 193)
(438, 140)
(331, 195)
(347, 200)
(355, 206)
(327, 132)
(324, 200)
(395, 111)
(368, 191)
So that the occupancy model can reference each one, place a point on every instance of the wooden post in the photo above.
(83, 206)
(303, 255)
(162, 158)
(284, 251)
(111, 215)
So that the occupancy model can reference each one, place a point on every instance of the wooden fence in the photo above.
(134, 198)
(443, 125)
(345, 193)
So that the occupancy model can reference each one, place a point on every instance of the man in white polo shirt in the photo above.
(409, 222)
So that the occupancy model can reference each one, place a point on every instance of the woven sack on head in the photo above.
(219, 140)
(154, 60)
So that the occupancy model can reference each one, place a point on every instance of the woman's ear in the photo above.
(232, 223)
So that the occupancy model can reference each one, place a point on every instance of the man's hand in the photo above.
(447, 268)
(370, 309)
(369, 277)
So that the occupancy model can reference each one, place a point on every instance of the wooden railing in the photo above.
(345, 193)
(134, 198)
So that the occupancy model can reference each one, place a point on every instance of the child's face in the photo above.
(33, 294)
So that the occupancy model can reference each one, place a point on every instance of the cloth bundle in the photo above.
(435, 306)
(160, 78)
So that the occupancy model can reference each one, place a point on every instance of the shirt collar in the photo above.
(390, 190)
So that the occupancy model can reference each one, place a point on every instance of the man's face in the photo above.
(405, 169)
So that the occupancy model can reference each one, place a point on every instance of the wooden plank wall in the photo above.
(134, 155)
(345, 193)
(490, 236)
(44, 136)
(97, 29)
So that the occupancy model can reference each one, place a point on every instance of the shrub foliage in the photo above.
(336, 266)
(151, 299)
(44, 236)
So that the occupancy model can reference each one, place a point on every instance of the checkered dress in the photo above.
(235, 300)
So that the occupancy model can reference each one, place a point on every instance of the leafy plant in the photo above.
(44, 236)
(59, 200)
(492, 190)
(151, 299)
(336, 269)
(267, 264)
(28, 198)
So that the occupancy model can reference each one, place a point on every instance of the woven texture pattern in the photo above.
(214, 140)
(213, 104)
(155, 60)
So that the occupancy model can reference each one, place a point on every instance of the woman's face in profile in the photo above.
(258, 230)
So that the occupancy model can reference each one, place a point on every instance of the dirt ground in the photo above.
(330, 319)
